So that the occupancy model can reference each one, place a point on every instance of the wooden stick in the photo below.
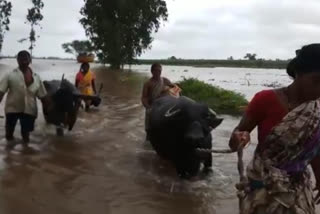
(242, 176)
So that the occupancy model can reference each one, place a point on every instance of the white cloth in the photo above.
(22, 98)
(157, 89)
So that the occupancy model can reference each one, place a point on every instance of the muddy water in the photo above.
(103, 165)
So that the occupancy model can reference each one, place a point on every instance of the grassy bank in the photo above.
(130, 84)
(268, 64)
(220, 100)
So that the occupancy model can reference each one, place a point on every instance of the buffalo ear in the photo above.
(215, 122)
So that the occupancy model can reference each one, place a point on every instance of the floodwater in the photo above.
(103, 164)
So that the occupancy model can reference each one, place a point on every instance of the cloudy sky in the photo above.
(196, 28)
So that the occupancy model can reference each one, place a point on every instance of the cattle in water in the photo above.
(178, 127)
(64, 103)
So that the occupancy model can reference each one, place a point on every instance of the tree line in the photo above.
(118, 30)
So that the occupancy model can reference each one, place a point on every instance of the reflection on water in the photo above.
(103, 165)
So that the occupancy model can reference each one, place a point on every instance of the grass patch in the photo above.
(220, 100)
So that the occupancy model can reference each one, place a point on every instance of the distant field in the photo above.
(271, 64)
(267, 64)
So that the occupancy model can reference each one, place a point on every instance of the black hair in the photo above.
(291, 68)
(308, 59)
(154, 65)
(85, 64)
(24, 53)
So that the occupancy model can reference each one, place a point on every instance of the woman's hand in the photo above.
(239, 139)
(315, 164)
(317, 197)
(166, 88)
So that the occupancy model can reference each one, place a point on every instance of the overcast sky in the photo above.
(196, 28)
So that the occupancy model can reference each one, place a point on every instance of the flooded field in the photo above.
(104, 166)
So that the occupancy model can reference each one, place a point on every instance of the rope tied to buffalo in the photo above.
(240, 165)
(228, 151)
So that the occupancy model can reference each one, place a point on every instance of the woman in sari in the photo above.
(154, 88)
(288, 120)
(85, 82)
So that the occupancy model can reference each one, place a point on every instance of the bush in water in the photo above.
(220, 100)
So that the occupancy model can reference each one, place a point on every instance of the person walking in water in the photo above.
(85, 82)
(288, 120)
(23, 87)
(154, 88)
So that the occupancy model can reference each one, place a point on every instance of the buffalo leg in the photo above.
(208, 157)
(59, 131)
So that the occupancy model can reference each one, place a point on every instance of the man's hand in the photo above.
(47, 104)
(1, 96)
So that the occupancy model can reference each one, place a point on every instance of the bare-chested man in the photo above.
(154, 88)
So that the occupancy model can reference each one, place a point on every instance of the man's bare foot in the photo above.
(10, 145)
(26, 138)
(26, 149)
(10, 142)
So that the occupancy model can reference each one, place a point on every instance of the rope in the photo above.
(240, 167)
(242, 177)
(228, 151)
(222, 151)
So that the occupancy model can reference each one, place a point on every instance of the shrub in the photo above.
(220, 100)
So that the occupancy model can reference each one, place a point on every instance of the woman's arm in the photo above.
(144, 97)
(241, 134)
(94, 86)
(255, 112)
(77, 80)
(167, 82)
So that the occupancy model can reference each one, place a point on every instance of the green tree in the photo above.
(121, 29)
(250, 56)
(5, 13)
(34, 17)
(173, 58)
(77, 47)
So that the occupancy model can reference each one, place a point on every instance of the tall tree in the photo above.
(250, 56)
(77, 46)
(121, 29)
(5, 13)
(34, 17)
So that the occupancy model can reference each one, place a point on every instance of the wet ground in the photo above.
(103, 165)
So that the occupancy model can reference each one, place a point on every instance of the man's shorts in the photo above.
(26, 121)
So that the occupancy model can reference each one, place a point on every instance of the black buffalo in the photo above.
(64, 103)
(178, 126)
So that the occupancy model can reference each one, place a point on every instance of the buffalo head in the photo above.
(64, 104)
(178, 127)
